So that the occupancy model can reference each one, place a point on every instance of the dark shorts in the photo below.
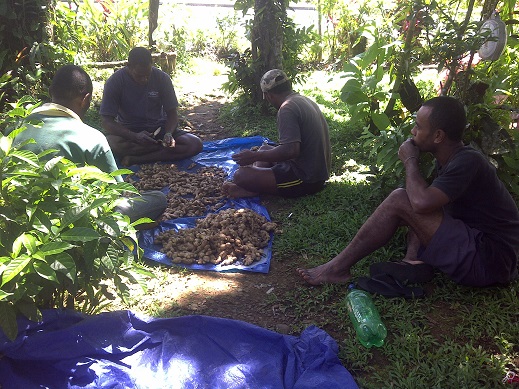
(289, 185)
(467, 256)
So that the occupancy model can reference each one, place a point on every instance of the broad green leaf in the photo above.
(124, 186)
(41, 222)
(511, 162)
(370, 55)
(355, 97)
(8, 322)
(29, 310)
(47, 152)
(351, 67)
(54, 248)
(82, 234)
(28, 241)
(109, 261)
(4, 294)
(27, 156)
(4, 260)
(129, 243)
(110, 226)
(91, 172)
(122, 172)
(5, 144)
(352, 85)
(142, 220)
(66, 265)
(17, 246)
(45, 271)
(49, 165)
(99, 202)
(72, 215)
(381, 120)
(371, 82)
(15, 267)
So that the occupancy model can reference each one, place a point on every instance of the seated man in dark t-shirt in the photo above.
(300, 164)
(465, 223)
(139, 114)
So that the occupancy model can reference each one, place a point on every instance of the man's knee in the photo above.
(398, 200)
(197, 145)
(241, 176)
(193, 144)
(399, 195)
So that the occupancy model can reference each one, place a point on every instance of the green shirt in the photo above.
(63, 130)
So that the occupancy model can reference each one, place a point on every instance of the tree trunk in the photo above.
(153, 17)
(267, 40)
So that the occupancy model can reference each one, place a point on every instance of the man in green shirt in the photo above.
(61, 128)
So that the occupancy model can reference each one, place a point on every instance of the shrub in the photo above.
(61, 243)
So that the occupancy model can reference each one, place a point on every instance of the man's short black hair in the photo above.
(447, 114)
(69, 82)
(139, 56)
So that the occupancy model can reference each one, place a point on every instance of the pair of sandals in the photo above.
(390, 279)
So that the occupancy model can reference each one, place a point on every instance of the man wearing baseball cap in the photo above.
(300, 163)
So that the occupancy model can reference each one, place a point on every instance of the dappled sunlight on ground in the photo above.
(352, 172)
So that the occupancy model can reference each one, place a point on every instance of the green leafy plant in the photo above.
(103, 31)
(62, 243)
(28, 56)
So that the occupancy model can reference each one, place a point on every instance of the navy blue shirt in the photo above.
(138, 107)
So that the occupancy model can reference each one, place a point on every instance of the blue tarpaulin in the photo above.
(120, 350)
(218, 154)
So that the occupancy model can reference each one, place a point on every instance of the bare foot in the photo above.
(412, 262)
(323, 274)
(233, 191)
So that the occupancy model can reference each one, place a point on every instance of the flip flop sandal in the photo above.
(387, 286)
(404, 271)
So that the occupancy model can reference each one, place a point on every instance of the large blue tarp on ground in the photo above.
(218, 154)
(121, 350)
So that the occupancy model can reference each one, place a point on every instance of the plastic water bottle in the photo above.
(365, 318)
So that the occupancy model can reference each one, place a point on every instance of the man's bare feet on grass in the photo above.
(323, 274)
(231, 190)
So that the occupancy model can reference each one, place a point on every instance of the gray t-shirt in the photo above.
(299, 119)
(138, 107)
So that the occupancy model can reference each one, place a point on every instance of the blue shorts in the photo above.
(289, 185)
(467, 256)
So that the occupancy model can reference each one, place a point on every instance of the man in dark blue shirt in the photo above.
(139, 114)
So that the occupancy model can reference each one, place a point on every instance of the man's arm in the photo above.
(423, 198)
(112, 127)
(170, 127)
(279, 153)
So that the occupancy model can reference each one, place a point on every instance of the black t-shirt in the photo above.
(479, 198)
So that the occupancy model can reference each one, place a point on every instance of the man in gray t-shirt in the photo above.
(300, 163)
(139, 114)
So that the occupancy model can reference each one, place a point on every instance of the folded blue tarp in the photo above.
(218, 154)
(121, 350)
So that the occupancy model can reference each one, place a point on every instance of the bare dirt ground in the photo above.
(251, 297)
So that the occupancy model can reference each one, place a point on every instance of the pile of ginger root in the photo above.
(224, 238)
(190, 194)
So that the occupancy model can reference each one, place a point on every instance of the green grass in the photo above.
(458, 337)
